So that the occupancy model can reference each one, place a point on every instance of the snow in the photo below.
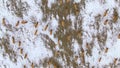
(54, 24)
(72, 18)
(75, 46)
(50, 2)
(92, 9)
(34, 46)
(77, 1)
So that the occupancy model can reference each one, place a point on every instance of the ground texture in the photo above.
(59, 33)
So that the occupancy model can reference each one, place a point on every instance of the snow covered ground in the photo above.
(27, 40)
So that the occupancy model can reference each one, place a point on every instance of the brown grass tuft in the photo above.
(36, 25)
(13, 39)
(105, 13)
(36, 31)
(3, 21)
(46, 27)
(106, 50)
(17, 23)
(23, 22)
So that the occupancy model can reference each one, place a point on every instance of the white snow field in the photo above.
(29, 41)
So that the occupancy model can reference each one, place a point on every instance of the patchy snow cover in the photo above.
(50, 2)
(93, 9)
(77, 1)
(34, 47)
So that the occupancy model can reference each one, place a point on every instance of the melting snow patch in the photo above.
(77, 1)
(50, 2)
(38, 51)
(54, 24)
